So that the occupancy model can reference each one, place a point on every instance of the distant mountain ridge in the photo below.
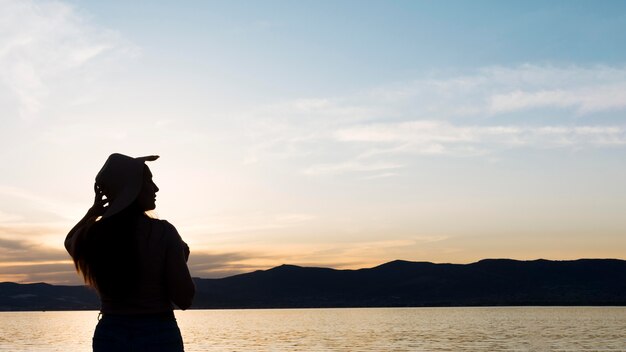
(489, 282)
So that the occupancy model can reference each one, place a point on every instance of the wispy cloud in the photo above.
(28, 251)
(583, 101)
(44, 46)
(59, 208)
(438, 137)
(496, 90)
(245, 223)
(29, 261)
(216, 264)
(446, 115)
(584, 89)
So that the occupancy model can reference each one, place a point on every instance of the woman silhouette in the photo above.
(138, 265)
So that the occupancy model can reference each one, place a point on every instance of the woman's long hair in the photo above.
(106, 253)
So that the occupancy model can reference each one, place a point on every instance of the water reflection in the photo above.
(383, 329)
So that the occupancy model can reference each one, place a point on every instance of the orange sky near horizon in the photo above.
(332, 134)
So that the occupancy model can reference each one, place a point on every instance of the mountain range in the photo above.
(489, 282)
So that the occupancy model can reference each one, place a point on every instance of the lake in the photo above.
(368, 329)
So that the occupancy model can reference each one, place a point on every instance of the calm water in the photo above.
(382, 329)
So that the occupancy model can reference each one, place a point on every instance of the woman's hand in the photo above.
(186, 251)
(100, 201)
(97, 209)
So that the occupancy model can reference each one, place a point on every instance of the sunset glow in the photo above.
(319, 133)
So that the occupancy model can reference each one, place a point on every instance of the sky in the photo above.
(339, 134)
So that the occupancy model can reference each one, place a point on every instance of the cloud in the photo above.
(585, 89)
(440, 137)
(28, 261)
(481, 113)
(52, 274)
(12, 250)
(59, 208)
(493, 91)
(584, 101)
(245, 223)
(45, 46)
(7, 244)
(422, 132)
(216, 265)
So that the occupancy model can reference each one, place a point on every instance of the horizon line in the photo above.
(367, 268)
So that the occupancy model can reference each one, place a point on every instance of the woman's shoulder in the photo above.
(168, 230)
(160, 222)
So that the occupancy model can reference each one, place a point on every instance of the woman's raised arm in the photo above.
(97, 209)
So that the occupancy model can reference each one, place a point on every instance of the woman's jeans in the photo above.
(126, 334)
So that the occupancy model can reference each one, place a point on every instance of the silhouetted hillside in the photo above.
(491, 282)
(402, 283)
(43, 296)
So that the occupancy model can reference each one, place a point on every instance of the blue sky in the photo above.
(324, 133)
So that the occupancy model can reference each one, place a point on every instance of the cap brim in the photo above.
(148, 158)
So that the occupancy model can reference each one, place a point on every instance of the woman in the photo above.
(138, 265)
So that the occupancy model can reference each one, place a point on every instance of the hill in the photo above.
(489, 282)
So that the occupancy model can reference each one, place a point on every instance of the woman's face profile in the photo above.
(147, 196)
